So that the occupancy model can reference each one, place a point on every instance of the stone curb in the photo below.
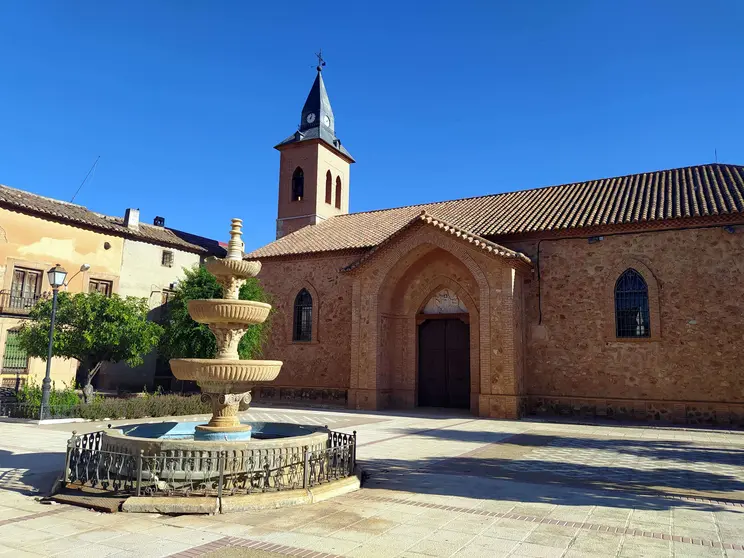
(249, 502)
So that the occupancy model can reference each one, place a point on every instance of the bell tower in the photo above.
(313, 166)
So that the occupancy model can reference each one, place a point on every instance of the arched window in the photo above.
(302, 329)
(329, 187)
(631, 306)
(298, 184)
(338, 192)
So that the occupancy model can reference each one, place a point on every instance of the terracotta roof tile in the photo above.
(684, 193)
(78, 215)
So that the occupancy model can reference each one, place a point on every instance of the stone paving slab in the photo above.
(443, 485)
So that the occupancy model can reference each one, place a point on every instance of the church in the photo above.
(613, 298)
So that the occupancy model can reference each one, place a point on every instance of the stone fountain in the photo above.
(226, 381)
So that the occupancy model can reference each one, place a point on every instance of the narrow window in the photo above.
(298, 184)
(329, 188)
(338, 192)
(631, 306)
(166, 259)
(303, 317)
(25, 288)
(100, 286)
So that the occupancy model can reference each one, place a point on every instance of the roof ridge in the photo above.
(565, 184)
(55, 200)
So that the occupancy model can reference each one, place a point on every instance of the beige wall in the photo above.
(144, 276)
(34, 243)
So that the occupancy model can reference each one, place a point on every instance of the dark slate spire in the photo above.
(317, 121)
(317, 110)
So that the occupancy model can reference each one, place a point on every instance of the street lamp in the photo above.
(57, 276)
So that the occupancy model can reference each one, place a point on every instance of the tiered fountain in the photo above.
(226, 380)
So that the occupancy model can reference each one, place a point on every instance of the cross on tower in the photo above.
(321, 62)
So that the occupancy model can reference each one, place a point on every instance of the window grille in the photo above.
(631, 306)
(100, 286)
(167, 258)
(303, 317)
(15, 359)
(298, 184)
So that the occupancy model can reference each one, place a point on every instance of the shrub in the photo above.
(66, 403)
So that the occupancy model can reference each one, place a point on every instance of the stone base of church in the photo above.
(669, 412)
(500, 406)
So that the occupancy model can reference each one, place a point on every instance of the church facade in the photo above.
(619, 297)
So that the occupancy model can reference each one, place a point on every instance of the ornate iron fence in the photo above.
(227, 473)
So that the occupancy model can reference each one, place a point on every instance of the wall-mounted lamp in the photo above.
(83, 268)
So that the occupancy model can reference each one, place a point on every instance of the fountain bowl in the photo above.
(232, 268)
(222, 311)
(225, 371)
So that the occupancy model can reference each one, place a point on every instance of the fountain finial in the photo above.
(235, 246)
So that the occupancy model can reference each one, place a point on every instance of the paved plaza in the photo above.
(438, 485)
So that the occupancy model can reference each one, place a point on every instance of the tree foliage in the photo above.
(92, 328)
(185, 338)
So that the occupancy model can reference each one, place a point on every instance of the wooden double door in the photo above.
(444, 363)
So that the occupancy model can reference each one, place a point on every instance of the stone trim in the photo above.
(462, 234)
(646, 410)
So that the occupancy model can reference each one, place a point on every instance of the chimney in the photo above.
(131, 219)
(159, 221)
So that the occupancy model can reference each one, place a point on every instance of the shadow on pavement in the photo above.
(29, 473)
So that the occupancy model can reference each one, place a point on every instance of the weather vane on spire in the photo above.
(321, 62)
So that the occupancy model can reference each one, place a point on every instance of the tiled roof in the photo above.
(684, 193)
(465, 236)
(73, 214)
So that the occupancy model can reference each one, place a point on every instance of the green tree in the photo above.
(185, 338)
(92, 328)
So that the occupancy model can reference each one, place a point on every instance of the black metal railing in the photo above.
(224, 473)
(17, 304)
(15, 409)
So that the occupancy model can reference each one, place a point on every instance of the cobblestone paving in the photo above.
(439, 486)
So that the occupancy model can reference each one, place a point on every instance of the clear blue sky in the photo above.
(184, 100)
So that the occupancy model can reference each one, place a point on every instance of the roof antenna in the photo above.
(84, 179)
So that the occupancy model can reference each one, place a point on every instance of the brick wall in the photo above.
(320, 367)
(690, 370)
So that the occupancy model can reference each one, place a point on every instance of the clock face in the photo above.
(310, 118)
(327, 120)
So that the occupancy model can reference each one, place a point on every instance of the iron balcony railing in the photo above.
(17, 304)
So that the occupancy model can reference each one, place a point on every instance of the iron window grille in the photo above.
(167, 258)
(632, 318)
(15, 359)
(303, 317)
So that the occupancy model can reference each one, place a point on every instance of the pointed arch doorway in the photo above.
(444, 352)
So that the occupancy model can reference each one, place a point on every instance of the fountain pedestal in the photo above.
(226, 381)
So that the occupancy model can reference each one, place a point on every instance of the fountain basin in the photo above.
(221, 311)
(232, 268)
(225, 371)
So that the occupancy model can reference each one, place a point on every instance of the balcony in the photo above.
(17, 305)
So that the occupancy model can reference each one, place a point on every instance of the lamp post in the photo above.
(56, 276)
